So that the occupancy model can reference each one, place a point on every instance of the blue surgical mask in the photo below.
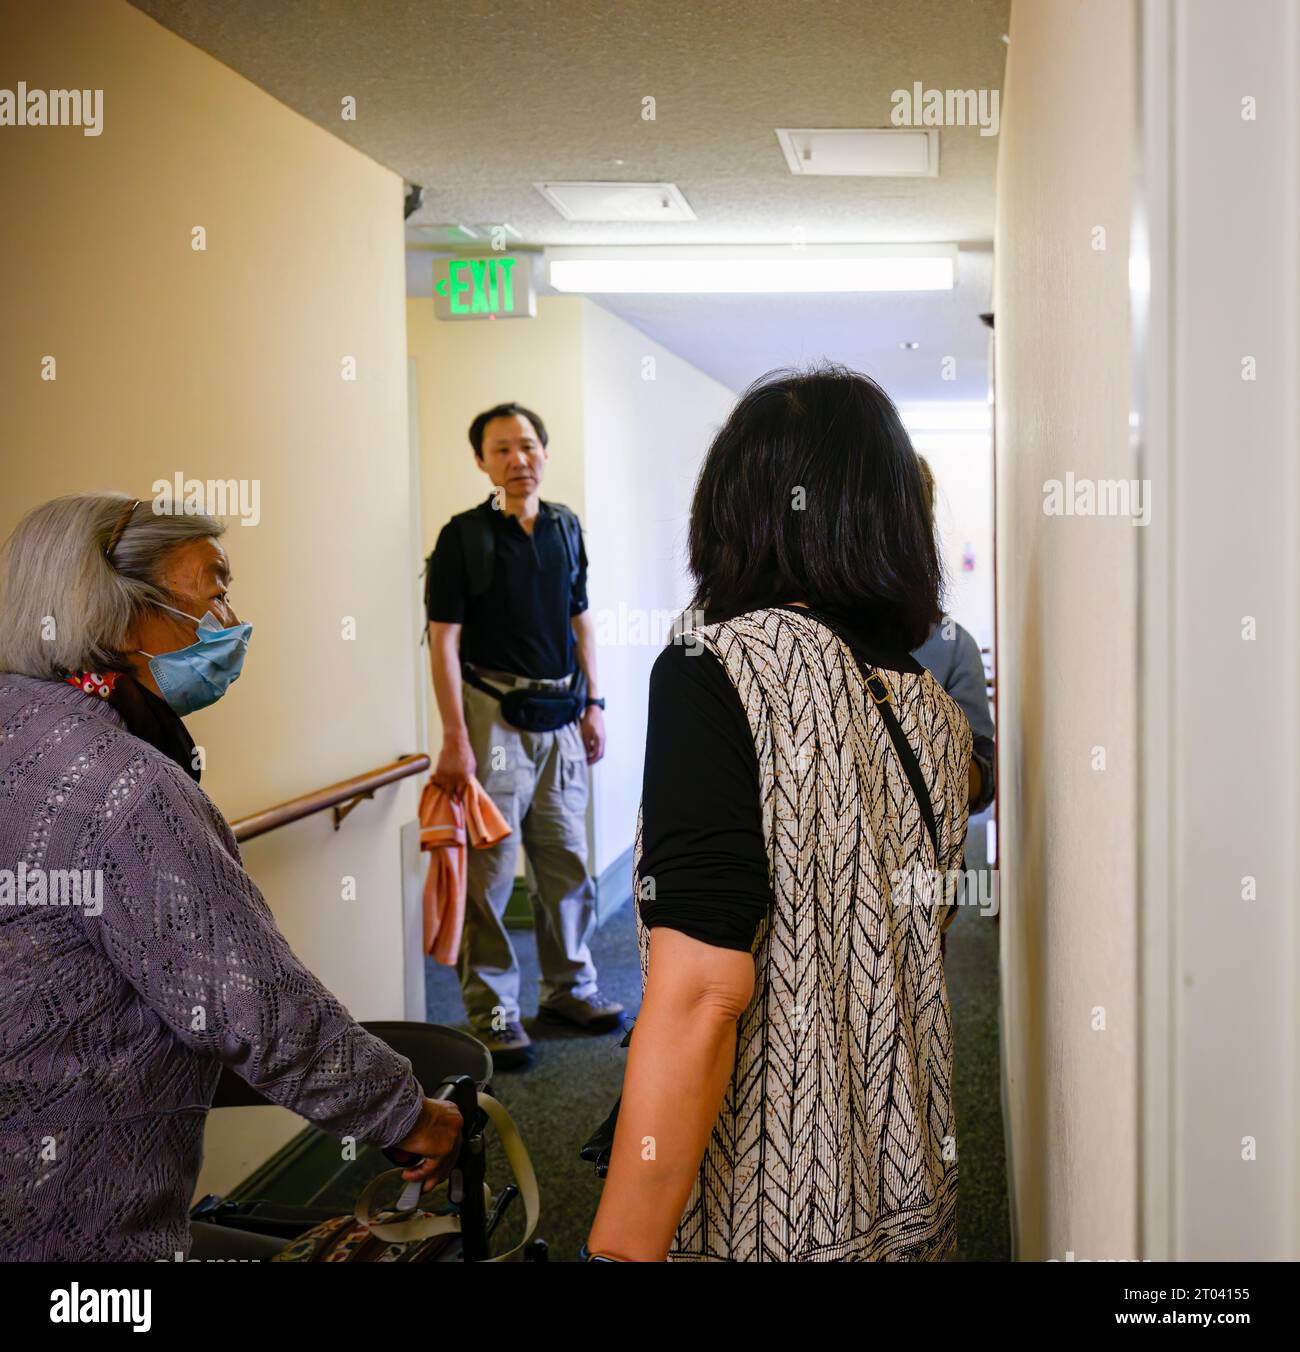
(194, 677)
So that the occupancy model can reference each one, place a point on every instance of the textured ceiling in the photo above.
(476, 101)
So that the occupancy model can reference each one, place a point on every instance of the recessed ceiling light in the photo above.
(609, 202)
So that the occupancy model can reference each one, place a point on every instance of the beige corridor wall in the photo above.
(649, 419)
(228, 363)
(464, 368)
(1067, 588)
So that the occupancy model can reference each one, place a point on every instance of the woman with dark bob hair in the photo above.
(788, 1094)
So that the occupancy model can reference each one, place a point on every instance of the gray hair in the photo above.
(78, 572)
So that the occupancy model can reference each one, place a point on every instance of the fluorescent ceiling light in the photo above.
(948, 425)
(712, 269)
(946, 415)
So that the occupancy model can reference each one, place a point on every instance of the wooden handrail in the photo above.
(342, 797)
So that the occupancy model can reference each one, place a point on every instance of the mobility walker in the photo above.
(461, 1069)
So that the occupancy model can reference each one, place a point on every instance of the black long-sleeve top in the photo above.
(702, 822)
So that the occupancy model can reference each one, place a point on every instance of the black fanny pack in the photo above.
(540, 710)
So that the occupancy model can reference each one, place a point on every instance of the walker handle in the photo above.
(457, 1089)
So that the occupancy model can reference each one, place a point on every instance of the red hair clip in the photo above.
(93, 683)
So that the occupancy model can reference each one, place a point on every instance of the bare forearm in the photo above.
(444, 658)
(680, 1062)
(584, 632)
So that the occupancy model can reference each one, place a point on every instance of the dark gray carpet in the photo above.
(983, 1218)
(562, 1098)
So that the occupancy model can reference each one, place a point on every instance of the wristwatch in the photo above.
(599, 703)
(586, 1256)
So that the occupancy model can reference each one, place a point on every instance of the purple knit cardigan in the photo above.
(114, 1027)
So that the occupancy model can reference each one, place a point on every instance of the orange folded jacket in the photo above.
(446, 827)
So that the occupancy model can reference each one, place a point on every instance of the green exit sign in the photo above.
(497, 287)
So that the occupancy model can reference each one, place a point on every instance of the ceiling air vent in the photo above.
(606, 202)
(439, 233)
(462, 234)
(872, 152)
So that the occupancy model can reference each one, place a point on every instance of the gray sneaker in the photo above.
(511, 1048)
(593, 1013)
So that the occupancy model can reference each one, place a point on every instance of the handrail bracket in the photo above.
(341, 810)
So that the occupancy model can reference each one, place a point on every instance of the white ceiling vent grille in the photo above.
(606, 202)
(444, 233)
(872, 152)
(439, 233)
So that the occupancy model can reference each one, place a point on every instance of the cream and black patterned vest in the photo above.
(836, 1141)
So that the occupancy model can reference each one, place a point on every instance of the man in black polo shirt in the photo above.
(506, 595)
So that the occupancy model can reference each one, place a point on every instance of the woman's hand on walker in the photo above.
(435, 1138)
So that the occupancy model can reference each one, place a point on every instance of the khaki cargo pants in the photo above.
(539, 781)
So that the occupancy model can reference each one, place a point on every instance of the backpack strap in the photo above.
(479, 548)
(571, 534)
(478, 544)
(884, 699)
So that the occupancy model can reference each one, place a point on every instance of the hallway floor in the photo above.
(566, 1094)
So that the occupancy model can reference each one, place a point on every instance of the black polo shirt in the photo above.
(520, 623)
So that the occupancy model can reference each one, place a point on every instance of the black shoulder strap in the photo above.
(428, 584)
(570, 533)
(479, 547)
(883, 698)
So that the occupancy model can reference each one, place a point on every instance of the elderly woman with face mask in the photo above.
(158, 961)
